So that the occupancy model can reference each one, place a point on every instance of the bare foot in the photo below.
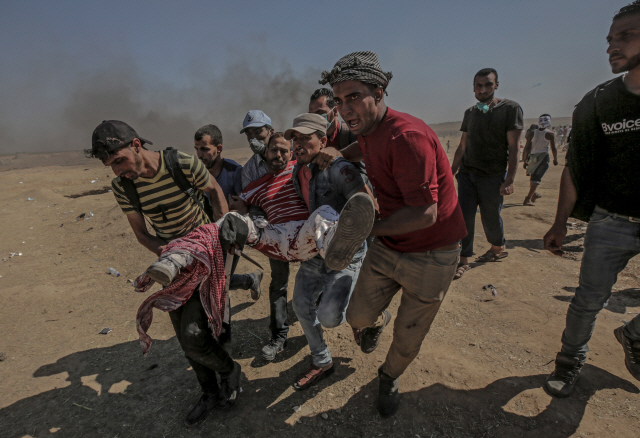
(528, 202)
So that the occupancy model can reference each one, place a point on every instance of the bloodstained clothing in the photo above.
(207, 273)
(294, 241)
(274, 193)
(407, 167)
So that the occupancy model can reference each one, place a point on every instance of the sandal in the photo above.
(491, 256)
(313, 376)
(462, 268)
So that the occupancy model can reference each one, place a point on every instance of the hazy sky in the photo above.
(168, 67)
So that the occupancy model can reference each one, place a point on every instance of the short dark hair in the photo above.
(274, 136)
(547, 115)
(320, 134)
(486, 72)
(331, 103)
(210, 130)
(630, 9)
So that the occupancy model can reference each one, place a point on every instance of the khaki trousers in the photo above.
(424, 278)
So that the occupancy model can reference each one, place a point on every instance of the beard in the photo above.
(631, 63)
(137, 170)
(278, 165)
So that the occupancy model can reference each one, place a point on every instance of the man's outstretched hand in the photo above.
(554, 237)
(325, 157)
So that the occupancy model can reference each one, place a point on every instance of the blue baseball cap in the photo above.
(255, 118)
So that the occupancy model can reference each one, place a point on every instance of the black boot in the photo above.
(256, 290)
(200, 411)
(370, 338)
(388, 395)
(562, 380)
(631, 352)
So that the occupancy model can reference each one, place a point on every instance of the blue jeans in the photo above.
(484, 191)
(321, 297)
(609, 244)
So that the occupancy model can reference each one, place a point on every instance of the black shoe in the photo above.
(631, 352)
(561, 382)
(255, 289)
(274, 346)
(371, 336)
(388, 395)
(230, 387)
(201, 409)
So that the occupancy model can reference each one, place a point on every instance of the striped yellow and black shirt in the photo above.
(171, 212)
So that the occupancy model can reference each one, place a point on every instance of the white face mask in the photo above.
(257, 146)
(544, 122)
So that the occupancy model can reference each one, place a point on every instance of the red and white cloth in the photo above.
(274, 193)
(208, 273)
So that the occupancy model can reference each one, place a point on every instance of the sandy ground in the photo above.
(479, 373)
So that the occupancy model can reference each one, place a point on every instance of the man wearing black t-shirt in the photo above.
(489, 144)
(601, 185)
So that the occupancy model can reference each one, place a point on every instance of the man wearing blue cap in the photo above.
(257, 127)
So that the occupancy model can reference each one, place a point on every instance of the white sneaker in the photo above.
(167, 267)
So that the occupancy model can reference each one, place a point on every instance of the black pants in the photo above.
(278, 298)
(202, 351)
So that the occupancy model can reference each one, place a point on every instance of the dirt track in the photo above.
(479, 373)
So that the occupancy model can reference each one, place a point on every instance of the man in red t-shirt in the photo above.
(420, 225)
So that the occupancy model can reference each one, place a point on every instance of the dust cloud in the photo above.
(166, 112)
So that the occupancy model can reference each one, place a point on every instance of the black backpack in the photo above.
(174, 169)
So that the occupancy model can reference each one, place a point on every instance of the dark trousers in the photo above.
(278, 298)
(201, 349)
(483, 191)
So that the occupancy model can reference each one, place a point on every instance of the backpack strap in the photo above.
(131, 193)
(173, 167)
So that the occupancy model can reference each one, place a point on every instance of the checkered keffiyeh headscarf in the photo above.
(357, 66)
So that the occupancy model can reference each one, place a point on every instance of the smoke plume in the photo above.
(166, 112)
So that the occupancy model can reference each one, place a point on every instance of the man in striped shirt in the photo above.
(172, 214)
